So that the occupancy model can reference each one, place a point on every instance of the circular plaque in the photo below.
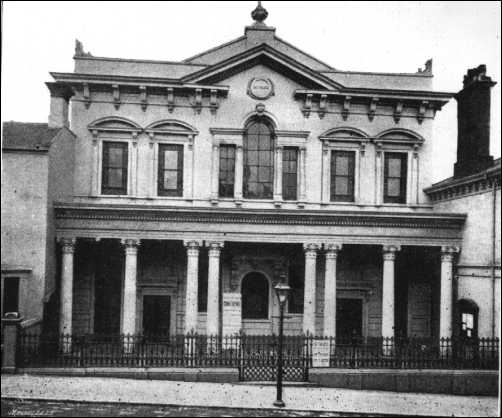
(260, 88)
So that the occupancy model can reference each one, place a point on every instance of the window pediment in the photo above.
(114, 124)
(170, 126)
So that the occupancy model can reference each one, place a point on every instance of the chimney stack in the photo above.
(60, 100)
(473, 115)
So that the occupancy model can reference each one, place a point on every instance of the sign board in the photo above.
(231, 315)
(320, 353)
(260, 88)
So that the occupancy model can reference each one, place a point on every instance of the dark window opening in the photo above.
(395, 174)
(342, 176)
(114, 173)
(170, 174)
(289, 173)
(202, 282)
(255, 291)
(227, 171)
(349, 314)
(297, 285)
(10, 302)
(258, 161)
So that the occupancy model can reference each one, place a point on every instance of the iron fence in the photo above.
(252, 354)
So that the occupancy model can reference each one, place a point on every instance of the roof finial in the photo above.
(259, 14)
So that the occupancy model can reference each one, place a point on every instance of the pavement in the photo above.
(161, 392)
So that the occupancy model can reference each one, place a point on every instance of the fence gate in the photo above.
(259, 358)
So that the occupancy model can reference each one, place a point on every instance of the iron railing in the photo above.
(194, 350)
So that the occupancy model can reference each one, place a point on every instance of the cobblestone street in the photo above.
(19, 407)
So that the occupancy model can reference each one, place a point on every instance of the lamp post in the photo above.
(282, 290)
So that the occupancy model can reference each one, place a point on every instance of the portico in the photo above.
(335, 266)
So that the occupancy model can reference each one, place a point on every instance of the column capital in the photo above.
(332, 249)
(193, 247)
(448, 252)
(214, 248)
(130, 244)
(311, 249)
(389, 252)
(68, 245)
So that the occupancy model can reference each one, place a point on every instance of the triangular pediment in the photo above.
(263, 55)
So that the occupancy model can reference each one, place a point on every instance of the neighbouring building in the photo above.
(37, 162)
(188, 190)
(474, 190)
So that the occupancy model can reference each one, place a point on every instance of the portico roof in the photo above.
(258, 225)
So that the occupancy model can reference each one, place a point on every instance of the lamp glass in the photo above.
(282, 291)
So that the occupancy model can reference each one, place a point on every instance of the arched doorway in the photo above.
(255, 296)
(468, 318)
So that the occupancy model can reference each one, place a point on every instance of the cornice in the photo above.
(457, 188)
(108, 79)
(202, 215)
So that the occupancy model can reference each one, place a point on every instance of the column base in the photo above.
(279, 404)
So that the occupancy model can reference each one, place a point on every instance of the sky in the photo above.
(38, 37)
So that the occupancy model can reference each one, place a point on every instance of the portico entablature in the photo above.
(323, 227)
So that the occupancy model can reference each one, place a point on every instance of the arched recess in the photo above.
(255, 292)
(468, 313)
(259, 148)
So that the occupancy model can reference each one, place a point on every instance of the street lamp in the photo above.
(282, 290)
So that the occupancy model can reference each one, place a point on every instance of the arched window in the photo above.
(468, 318)
(254, 291)
(259, 160)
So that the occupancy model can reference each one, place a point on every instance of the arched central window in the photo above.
(254, 290)
(259, 160)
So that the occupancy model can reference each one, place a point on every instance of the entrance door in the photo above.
(349, 318)
(156, 315)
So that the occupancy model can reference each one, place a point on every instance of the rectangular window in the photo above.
(395, 174)
(115, 161)
(10, 302)
(342, 176)
(289, 173)
(227, 171)
(170, 174)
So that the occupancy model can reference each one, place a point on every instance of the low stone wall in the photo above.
(214, 375)
(455, 382)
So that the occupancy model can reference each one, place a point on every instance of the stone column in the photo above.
(389, 256)
(278, 176)
(310, 288)
(66, 305)
(213, 289)
(130, 286)
(446, 304)
(330, 290)
(239, 173)
(192, 286)
(65, 321)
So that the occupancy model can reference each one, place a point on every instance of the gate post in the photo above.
(10, 328)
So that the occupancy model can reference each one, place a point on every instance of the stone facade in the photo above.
(144, 261)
